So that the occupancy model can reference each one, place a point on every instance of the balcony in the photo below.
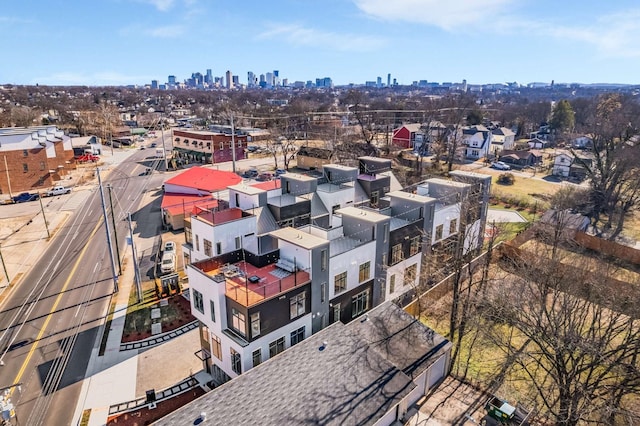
(249, 285)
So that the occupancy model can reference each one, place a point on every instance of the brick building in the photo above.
(33, 158)
(199, 146)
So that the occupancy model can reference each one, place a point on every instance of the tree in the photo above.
(562, 117)
(474, 117)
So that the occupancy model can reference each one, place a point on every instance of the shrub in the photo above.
(506, 179)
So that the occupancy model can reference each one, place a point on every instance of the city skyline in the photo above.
(350, 41)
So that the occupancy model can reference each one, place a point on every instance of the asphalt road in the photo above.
(50, 323)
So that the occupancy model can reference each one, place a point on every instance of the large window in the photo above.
(392, 283)
(198, 302)
(276, 347)
(257, 357)
(207, 248)
(323, 260)
(336, 312)
(236, 364)
(453, 226)
(187, 235)
(255, 324)
(439, 232)
(359, 303)
(238, 322)
(297, 305)
(216, 346)
(340, 283)
(297, 336)
(212, 305)
(365, 270)
(415, 245)
(396, 254)
(410, 274)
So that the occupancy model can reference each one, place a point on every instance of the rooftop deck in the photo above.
(250, 285)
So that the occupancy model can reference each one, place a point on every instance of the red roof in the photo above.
(205, 179)
(269, 185)
(179, 203)
(222, 216)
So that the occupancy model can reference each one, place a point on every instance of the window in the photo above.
(207, 248)
(374, 198)
(197, 301)
(297, 336)
(236, 364)
(237, 243)
(475, 152)
(323, 260)
(359, 303)
(218, 248)
(212, 306)
(453, 226)
(392, 283)
(25, 167)
(42, 165)
(415, 245)
(221, 146)
(25, 152)
(386, 232)
(410, 274)
(396, 254)
(188, 237)
(238, 322)
(384, 259)
(197, 243)
(439, 232)
(255, 324)
(365, 270)
(336, 312)
(276, 347)
(257, 357)
(297, 305)
(323, 292)
(237, 200)
(340, 283)
(216, 346)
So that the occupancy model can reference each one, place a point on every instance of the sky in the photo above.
(122, 42)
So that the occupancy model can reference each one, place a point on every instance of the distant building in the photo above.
(171, 80)
(154, 84)
(196, 146)
(229, 80)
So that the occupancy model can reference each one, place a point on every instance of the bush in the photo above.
(506, 179)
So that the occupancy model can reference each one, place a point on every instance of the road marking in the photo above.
(53, 309)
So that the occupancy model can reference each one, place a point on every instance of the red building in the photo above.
(200, 146)
(405, 136)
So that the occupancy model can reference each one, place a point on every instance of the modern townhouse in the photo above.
(280, 264)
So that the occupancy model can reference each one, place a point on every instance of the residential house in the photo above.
(521, 158)
(536, 143)
(582, 142)
(477, 141)
(407, 135)
(208, 147)
(367, 372)
(502, 139)
(570, 165)
(33, 158)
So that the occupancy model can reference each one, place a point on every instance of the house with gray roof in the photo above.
(368, 372)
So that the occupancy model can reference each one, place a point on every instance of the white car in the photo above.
(168, 264)
(169, 247)
(499, 165)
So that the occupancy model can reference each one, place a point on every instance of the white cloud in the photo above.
(298, 35)
(446, 14)
(168, 31)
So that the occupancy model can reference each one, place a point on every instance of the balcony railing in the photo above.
(247, 292)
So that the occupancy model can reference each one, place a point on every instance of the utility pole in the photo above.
(136, 271)
(115, 230)
(106, 228)
(4, 266)
(46, 225)
(164, 150)
(6, 169)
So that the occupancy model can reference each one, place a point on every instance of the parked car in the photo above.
(499, 165)
(168, 263)
(153, 145)
(169, 247)
(251, 173)
(280, 172)
(252, 148)
(24, 197)
(57, 190)
(264, 177)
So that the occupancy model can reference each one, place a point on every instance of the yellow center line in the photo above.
(53, 309)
